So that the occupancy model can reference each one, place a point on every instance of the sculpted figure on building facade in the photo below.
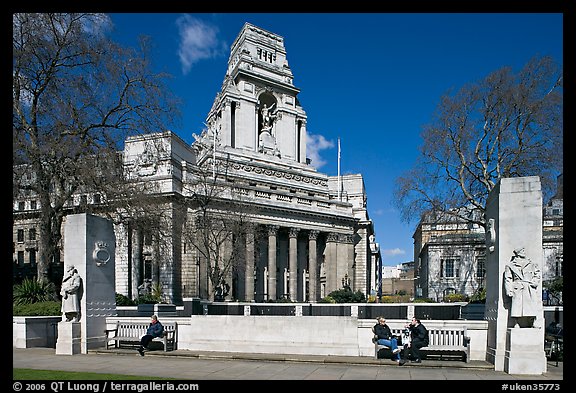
(521, 281)
(268, 117)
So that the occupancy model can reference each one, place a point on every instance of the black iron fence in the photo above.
(447, 311)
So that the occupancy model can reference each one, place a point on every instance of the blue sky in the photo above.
(371, 79)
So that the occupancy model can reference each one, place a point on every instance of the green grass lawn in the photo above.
(31, 374)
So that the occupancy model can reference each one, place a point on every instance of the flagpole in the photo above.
(339, 178)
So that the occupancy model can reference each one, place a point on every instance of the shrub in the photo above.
(395, 298)
(283, 300)
(33, 291)
(479, 296)
(387, 299)
(347, 296)
(44, 309)
(157, 292)
(455, 297)
(122, 300)
(147, 299)
(327, 299)
(424, 300)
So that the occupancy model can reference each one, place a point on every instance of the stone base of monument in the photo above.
(69, 338)
(525, 351)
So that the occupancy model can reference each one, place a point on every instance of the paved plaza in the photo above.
(198, 366)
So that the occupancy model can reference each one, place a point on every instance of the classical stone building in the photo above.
(308, 233)
(450, 254)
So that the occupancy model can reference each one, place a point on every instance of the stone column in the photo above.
(331, 263)
(293, 266)
(302, 261)
(249, 274)
(312, 265)
(348, 241)
(272, 233)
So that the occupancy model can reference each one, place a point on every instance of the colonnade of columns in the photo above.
(335, 251)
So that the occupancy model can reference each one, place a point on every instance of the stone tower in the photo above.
(257, 108)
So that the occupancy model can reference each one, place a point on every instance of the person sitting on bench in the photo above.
(384, 337)
(155, 329)
(418, 339)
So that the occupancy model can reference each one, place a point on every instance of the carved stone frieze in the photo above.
(278, 174)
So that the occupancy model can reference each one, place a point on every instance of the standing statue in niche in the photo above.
(268, 117)
(521, 281)
(266, 141)
(70, 292)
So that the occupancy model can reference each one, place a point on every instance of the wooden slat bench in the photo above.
(130, 333)
(444, 342)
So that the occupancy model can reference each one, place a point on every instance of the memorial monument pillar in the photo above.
(514, 284)
(89, 247)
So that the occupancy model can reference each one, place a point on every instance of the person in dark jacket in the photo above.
(418, 339)
(384, 337)
(155, 329)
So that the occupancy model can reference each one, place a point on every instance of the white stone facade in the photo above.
(309, 238)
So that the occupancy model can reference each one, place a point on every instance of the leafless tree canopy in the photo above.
(76, 97)
(507, 125)
(218, 218)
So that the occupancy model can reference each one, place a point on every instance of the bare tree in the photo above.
(76, 97)
(507, 125)
(219, 215)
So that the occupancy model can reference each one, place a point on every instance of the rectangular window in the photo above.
(83, 200)
(32, 254)
(147, 269)
(20, 235)
(32, 234)
(33, 205)
(20, 257)
(21, 206)
(480, 268)
(449, 266)
(97, 198)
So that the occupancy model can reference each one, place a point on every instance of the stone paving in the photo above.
(188, 365)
